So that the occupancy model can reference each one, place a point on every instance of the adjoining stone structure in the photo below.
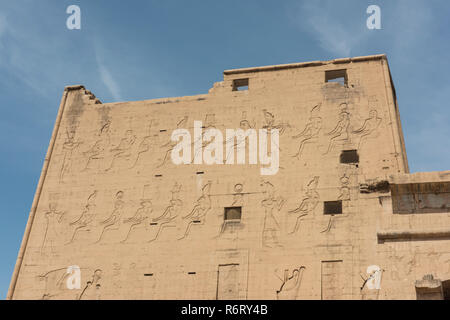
(342, 218)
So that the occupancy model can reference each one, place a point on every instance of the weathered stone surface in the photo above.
(111, 201)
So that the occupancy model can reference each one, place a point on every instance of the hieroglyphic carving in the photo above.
(113, 222)
(370, 126)
(168, 146)
(340, 134)
(345, 188)
(238, 196)
(290, 284)
(138, 220)
(123, 150)
(92, 289)
(170, 214)
(311, 132)
(308, 204)
(86, 219)
(69, 146)
(53, 221)
(271, 227)
(100, 147)
(201, 208)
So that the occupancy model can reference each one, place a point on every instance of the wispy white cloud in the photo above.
(320, 19)
(106, 76)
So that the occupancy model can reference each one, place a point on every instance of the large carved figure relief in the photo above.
(169, 217)
(271, 204)
(87, 218)
(141, 217)
(53, 223)
(124, 149)
(369, 128)
(307, 205)
(69, 146)
(341, 133)
(100, 149)
(201, 207)
(169, 145)
(114, 221)
(310, 133)
(144, 146)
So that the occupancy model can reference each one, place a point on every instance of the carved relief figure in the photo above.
(269, 124)
(170, 214)
(340, 134)
(201, 208)
(201, 143)
(69, 146)
(113, 222)
(144, 146)
(171, 144)
(291, 284)
(123, 150)
(99, 149)
(85, 221)
(53, 220)
(142, 214)
(55, 284)
(370, 126)
(240, 141)
(271, 227)
(308, 204)
(311, 132)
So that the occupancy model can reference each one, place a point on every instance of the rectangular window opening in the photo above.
(148, 274)
(240, 84)
(337, 76)
(332, 207)
(233, 214)
(349, 156)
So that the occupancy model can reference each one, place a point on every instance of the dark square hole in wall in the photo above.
(332, 207)
(233, 213)
(240, 84)
(349, 156)
(338, 76)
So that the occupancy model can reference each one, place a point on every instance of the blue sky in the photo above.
(134, 50)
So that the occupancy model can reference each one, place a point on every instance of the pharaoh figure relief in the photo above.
(311, 132)
(87, 217)
(307, 205)
(170, 215)
(340, 134)
(271, 204)
(201, 207)
(53, 219)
